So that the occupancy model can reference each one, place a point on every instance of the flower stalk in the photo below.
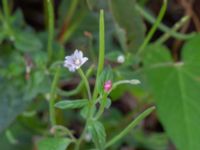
(50, 11)
(86, 83)
(53, 97)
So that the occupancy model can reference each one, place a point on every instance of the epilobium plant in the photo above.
(92, 108)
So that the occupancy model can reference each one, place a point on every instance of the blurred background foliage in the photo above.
(167, 69)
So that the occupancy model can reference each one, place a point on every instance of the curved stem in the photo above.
(63, 35)
(163, 38)
(161, 26)
(102, 107)
(91, 104)
(154, 27)
(79, 87)
(86, 83)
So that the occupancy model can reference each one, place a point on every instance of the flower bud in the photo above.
(107, 85)
(120, 59)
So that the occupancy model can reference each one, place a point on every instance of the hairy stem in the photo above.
(53, 97)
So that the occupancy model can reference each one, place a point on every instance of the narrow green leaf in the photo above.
(101, 42)
(71, 104)
(130, 127)
(101, 51)
(53, 144)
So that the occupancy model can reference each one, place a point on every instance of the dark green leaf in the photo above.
(16, 92)
(25, 41)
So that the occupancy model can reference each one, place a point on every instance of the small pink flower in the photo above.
(107, 85)
(75, 61)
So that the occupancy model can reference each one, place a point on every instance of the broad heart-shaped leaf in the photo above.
(176, 90)
(96, 129)
(71, 104)
(129, 25)
(53, 144)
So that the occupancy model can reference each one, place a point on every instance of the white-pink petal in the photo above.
(75, 61)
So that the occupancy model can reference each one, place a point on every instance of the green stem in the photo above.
(11, 137)
(101, 51)
(91, 104)
(130, 126)
(72, 9)
(154, 27)
(79, 87)
(99, 70)
(77, 147)
(102, 106)
(53, 97)
(70, 30)
(50, 11)
(64, 33)
(1, 16)
(89, 116)
(6, 11)
(65, 131)
(163, 38)
(116, 84)
(7, 17)
(161, 26)
(86, 83)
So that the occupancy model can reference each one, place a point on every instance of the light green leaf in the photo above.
(85, 110)
(71, 104)
(98, 134)
(129, 25)
(53, 144)
(176, 90)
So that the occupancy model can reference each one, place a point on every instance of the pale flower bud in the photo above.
(120, 59)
